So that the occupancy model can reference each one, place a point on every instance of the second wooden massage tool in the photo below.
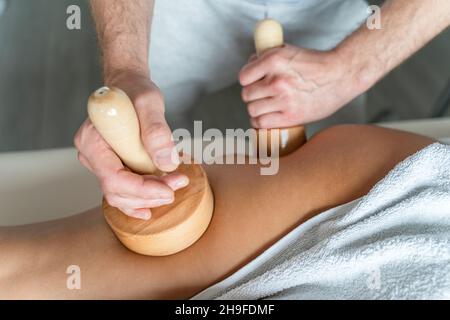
(269, 35)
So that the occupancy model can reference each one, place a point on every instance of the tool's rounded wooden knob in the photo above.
(269, 35)
(173, 227)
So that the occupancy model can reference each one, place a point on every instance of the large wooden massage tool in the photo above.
(172, 227)
(176, 226)
(269, 35)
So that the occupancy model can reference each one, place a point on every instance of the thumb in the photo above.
(157, 139)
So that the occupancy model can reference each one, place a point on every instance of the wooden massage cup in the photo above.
(172, 227)
(269, 35)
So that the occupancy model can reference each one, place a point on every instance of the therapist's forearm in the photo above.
(123, 29)
(407, 25)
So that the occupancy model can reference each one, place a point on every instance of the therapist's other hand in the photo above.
(134, 194)
(288, 86)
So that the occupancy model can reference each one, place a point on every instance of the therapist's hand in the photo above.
(134, 194)
(288, 86)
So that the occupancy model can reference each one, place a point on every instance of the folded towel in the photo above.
(394, 243)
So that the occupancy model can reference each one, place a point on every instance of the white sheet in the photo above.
(264, 261)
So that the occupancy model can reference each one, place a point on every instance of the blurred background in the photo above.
(47, 72)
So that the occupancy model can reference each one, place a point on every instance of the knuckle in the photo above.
(293, 112)
(275, 61)
(153, 98)
(158, 95)
(85, 134)
(142, 99)
(289, 114)
(289, 97)
(263, 122)
(108, 185)
(77, 140)
(300, 114)
(256, 122)
(244, 94)
(289, 105)
(280, 84)
(242, 76)
(156, 130)
(251, 110)
(81, 158)
(112, 200)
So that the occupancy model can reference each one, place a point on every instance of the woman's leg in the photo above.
(251, 212)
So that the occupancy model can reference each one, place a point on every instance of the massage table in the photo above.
(42, 185)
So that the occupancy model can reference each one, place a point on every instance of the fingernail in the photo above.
(167, 158)
(181, 183)
(161, 202)
(143, 215)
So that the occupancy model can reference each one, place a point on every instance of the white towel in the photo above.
(394, 243)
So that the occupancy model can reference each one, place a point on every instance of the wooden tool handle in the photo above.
(269, 35)
(113, 115)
